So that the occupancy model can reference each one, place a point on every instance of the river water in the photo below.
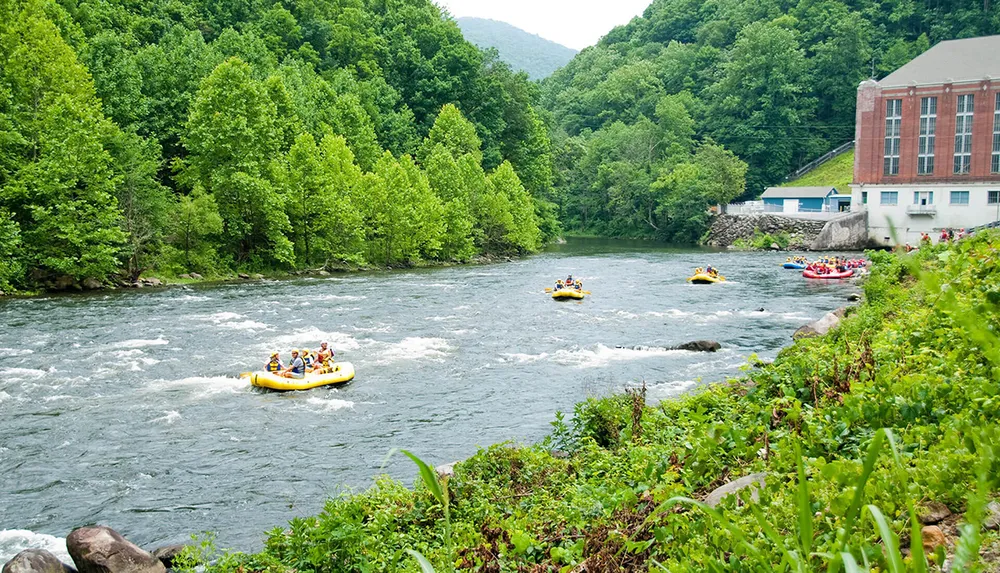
(126, 409)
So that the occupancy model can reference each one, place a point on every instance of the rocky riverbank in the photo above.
(96, 549)
(729, 230)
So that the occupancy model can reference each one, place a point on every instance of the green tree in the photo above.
(11, 262)
(193, 226)
(233, 139)
(445, 179)
(455, 133)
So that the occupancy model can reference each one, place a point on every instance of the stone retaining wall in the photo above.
(727, 229)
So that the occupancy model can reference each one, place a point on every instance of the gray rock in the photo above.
(168, 553)
(90, 283)
(559, 454)
(243, 276)
(752, 481)
(992, 521)
(323, 273)
(196, 276)
(933, 512)
(853, 297)
(445, 470)
(36, 561)
(63, 283)
(820, 327)
(700, 346)
(100, 549)
(184, 276)
(775, 247)
(258, 276)
(155, 282)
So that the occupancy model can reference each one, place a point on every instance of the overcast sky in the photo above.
(573, 23)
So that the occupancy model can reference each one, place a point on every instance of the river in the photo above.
(125, 408)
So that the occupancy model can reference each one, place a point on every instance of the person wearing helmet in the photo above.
(274, 365)
(307, 359)
(296, 368)
(325, 354)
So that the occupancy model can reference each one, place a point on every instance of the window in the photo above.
(864, 197)
(889, 198)
(993, 197)
(928, 126)
(959, 197)
(923, 197)
(995, 166)
(893, 116)
(963, 134)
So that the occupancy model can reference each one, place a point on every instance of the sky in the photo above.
(573, 23)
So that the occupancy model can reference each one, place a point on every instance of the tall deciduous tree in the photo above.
(233, 138)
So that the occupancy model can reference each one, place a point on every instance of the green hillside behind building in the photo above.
(838, 172)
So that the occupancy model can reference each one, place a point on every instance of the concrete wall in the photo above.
(846, 233)
(727, 229)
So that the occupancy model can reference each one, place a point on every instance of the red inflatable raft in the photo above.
(810, 274)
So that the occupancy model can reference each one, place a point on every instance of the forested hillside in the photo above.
(771, 81)
(187, 135)
(526, 52)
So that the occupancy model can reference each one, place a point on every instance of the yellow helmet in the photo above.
(295, 351)
(275, 354)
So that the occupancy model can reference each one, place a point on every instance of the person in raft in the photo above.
(274, 365)
(559, 284)
(296, 368)
(569, 281)
(325, 354)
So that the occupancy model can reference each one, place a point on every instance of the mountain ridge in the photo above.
(537, 56)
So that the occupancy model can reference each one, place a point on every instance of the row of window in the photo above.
(927, 198)
(962, 159)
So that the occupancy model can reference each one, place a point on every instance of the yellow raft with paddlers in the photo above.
(567, 293)
(340, 373)
(705, 279)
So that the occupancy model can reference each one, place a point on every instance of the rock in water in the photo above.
(100, 549)
(168, 553)
(753, 481)
(700, 346)
(36, 561)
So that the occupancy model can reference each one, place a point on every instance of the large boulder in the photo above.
(90, 283)
(196, 276)
(100, 549)
(752, 481)
(992, 521)
(933, 512)
(820, 327)
(700, 346)
(36, 561)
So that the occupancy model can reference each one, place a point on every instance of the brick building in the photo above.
(927, 143)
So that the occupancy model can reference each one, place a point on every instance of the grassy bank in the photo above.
(857, 432)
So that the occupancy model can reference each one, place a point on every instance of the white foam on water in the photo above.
(463, 331)
(208, 385)
(312, 336)
(220, 316)
(463, 307)
(24, 373)
(338, 297)
(436, 285)
(602, 355)
(14, 541)
(192, 298)
(169, 417)
(524, 358)
(123, 353)
(16, 351)
(672, 312)
(4, 396)
(140, 343)
(415, 348)
(56, 397)
(666, 390)
(246, 325)
(329, 404)
(441, 318)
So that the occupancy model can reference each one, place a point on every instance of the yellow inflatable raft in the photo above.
(342, 372)
(705, 278)
(564, 293)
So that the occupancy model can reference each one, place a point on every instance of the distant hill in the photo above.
(523, 51)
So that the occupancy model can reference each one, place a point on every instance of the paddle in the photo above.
(549, 289)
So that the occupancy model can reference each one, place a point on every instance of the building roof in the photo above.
(950, 61)
(798, 192)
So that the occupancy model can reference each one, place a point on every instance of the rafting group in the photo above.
(568, 289)
(306, 369)
(827, 267)
(707, 275)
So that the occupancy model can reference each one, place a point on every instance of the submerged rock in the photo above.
(700, 346)
(753, 481)
(36, 561)
(100, 549)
